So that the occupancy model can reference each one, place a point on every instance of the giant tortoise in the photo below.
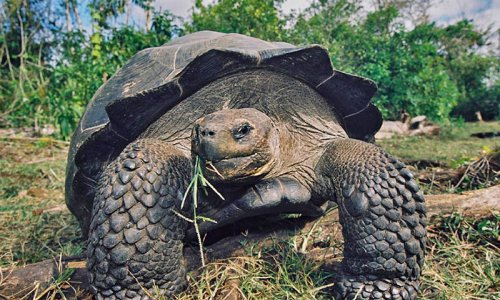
(273, 127)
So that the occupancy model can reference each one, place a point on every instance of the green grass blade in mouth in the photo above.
(213, 188)
(186, 193)
(197, 181)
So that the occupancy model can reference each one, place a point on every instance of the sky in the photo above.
(482, 12)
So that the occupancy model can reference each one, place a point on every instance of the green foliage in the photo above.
(22, 75)
(486, 101)
(60, 90)
(257, 18)
(49, 74)
(406, 64)
(473, 74)
(103, 10)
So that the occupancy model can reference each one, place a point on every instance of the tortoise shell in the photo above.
(156, 79)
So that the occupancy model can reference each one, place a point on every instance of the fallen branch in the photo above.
(16, 281)
(478, 203)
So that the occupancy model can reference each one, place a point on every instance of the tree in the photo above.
(82, 70)
(405, 64)
(471, 71)
(415, 10)
(26, 39)
(52, 70)
(257, 18)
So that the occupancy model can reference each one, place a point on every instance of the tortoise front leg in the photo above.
(269, 197)
(382, 213)
(135, 240)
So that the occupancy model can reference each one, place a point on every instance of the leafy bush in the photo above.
(406, 64)
(49, 73)
(56, 92)
(487, 103)
(257, 18)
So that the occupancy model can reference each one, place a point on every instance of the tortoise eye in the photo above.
(242, 131)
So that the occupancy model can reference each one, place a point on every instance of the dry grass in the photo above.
(453, 146)
(463, 260)
(464, 162)
(275, 272)
(34, 221)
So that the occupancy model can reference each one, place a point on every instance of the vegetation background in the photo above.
(54, 54)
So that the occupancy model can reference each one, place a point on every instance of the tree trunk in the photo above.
(127, 12)
(68, 16)
(16, 281)
(74, 4)
(149, 9)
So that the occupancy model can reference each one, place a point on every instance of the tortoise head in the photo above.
(235, 144)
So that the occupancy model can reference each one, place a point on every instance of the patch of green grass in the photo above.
(28, 236)
(463, 259)
(34, 221)
(276, 272)
(462, 262)
(452, 145)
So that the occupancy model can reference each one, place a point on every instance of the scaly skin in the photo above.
(382, 213)
(135, 237)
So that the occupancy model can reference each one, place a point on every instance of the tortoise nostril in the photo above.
(205, 132)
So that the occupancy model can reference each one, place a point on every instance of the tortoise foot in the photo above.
(373, 288)
(135, 247)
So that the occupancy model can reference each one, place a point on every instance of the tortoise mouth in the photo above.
(233, 169)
